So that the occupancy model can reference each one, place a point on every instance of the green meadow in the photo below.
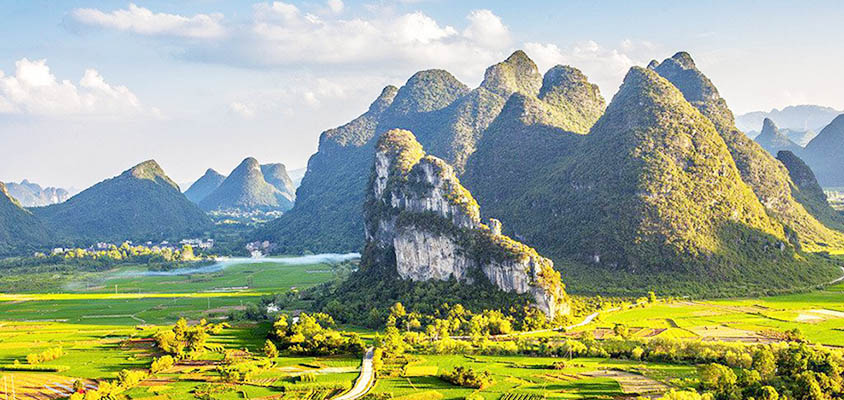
(582, 378)
(819, 315)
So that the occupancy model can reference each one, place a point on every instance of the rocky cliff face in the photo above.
(419, 218)
(33, 195)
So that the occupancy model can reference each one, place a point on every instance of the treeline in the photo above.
(163, 257)
(311, 334)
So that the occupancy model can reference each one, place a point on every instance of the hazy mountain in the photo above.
(142, 203)
(801, 138)
(246, 188)
(20, 231)
(276, 175)
(203, 186)
(296, 176)
(808, 191)
(800, 118)
(774, 141)
(825, 154)
(33, 195)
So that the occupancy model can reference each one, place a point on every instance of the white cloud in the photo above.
(336, 6)
(241, 109)
(34, 90)
(487, 28)
(605, 66)
(145, 22)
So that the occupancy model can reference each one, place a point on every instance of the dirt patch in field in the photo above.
(40, 386)
(632, 384)
(654, 332)
(831, 313)
(157, 382)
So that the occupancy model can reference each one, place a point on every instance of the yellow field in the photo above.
(120, 296)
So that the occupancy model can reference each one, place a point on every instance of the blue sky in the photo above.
(89, 89)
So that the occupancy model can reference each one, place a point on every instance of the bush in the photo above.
(468, 377)
(162, 363)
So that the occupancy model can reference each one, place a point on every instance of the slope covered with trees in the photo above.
(19, 229)
(142, 203)
(203, 186)
(759, 169)
(446, 117)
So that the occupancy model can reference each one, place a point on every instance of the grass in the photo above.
(124, 296)
(818, 314)
(524, 375)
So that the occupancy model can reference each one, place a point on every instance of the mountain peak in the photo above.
(249, 163)
(204, 185)
(428, 90)
(517, 74)
(768, 126)
(150, 170)
(518, 57)
(384, 99)
(684, 59)
(569, 91)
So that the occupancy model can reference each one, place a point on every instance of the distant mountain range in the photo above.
(800, 118)
(19, 229)
(774, 140)
(33, 195)
(250, 186)
(142, 203)
(660, 185)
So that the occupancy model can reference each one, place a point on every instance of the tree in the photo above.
(270, 350)
(621, 330)
(161, 364)
(764, 363)
(717, 377)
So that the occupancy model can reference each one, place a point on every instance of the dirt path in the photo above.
(632, 384)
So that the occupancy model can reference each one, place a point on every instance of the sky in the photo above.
(89, 89)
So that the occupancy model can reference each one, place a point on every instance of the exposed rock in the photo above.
(421, 219)
(33, 195)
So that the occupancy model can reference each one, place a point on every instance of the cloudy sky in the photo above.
(88, 89)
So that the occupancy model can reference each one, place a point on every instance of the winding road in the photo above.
(365, 380)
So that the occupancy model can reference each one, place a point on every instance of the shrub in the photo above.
(468, 377)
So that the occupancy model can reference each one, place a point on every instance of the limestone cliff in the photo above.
(422, 221)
